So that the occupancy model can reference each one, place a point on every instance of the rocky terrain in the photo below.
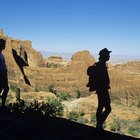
(30, 71)
(123, 119)
(34, 75)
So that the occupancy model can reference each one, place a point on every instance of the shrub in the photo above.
(81, 113)
(18, 107)
(134, 130)
(73, 116)
(82, 120)
(52, 107)
(51, 65)
(51, 89)
(77, 116)
(63, 96)
(15, 89)
(93, 119)
(78, 94)
(116, 125)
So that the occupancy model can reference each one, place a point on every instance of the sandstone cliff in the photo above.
(19, 54)
(125, 81)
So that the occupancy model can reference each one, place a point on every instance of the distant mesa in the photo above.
(55, 58)
(82, 56)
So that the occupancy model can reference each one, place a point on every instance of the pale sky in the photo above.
(74, 25)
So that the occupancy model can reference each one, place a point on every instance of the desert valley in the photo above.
(40, 79)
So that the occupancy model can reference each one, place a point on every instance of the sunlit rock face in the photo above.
(19, 54)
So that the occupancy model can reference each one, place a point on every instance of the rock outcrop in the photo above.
(19, 54)
(55, 62)
(125, 80)
(66, 79)
(27, 68)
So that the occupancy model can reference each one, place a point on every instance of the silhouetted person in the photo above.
(99, 81)
(102, 87)
(4, 88)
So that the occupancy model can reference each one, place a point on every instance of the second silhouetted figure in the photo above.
(4, 88)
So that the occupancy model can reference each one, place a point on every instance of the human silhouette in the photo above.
(100, 82)
(4, 88)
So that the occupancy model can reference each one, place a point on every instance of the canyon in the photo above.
(30, 71)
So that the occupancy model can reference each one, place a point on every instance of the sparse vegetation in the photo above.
(116, 125)
(93, 119)
(82, 120)
(18, 107)
(63, 96)
(78, 94)
(81, 113)
(16, 89)
(13, 88)
(134, 130)
(51, 89)
(120, 125)
(77, 117)
(73, 116)
(52, 65)
(52, 107)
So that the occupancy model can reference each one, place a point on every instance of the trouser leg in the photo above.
(105, 113)
(99, 116)
(4, 95)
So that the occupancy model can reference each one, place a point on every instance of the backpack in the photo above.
(92, 74)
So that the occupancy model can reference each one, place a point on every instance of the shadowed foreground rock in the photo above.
(37, 127)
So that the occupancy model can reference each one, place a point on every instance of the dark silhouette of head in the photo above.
(104, 54)
(2, 44)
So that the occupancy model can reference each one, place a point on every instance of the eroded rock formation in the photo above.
(68, 78)
(19, 54)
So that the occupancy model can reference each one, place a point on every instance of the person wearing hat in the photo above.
(4, 88)
(102, 88)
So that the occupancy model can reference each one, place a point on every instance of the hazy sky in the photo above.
(74, 25)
